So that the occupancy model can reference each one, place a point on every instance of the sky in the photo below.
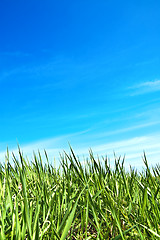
(84, 73)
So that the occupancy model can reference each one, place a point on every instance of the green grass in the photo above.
(75, 201)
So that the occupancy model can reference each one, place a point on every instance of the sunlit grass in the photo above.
(75, 201)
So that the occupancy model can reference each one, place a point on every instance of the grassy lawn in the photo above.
(78, 201)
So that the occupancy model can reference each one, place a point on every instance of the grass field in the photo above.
(78, 201)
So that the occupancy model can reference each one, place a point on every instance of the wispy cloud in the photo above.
(54, 146)
(15, 54)
(65, 72)
(124, 130)
(132, 148)
(151, 84)
(145, 87)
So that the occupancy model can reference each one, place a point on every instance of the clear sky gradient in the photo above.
(84, 72)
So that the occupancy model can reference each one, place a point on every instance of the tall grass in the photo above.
(75, 201)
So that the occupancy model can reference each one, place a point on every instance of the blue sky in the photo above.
(83, 72)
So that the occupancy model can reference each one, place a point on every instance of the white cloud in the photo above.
(53, 146)
(153, 84)
(132, 148)
(128, 129)
(145, 87)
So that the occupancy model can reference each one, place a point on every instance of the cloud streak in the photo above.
(132, 148)
(132, 128)
(15, 54)
(145, 87)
